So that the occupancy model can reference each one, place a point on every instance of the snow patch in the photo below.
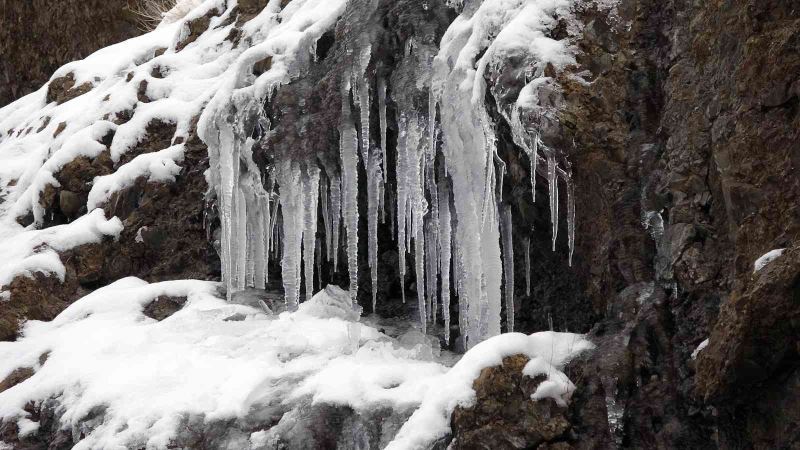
(699, 349)
(548, 351)
(767, 258)
(28, 252)
(149, 376)
(156, 166)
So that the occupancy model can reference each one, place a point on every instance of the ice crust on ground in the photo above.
(148, 376)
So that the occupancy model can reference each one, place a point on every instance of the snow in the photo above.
(158, 166)
(23, 253)
(699, 349)
(151, 376)
(549, 352)
(767, 258)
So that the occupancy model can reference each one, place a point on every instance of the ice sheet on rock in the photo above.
(767, 258)
(23, 253)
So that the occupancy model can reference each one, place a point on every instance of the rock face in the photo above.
(37, 37)
(685, 153)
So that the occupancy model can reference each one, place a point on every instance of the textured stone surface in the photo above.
(38, 36)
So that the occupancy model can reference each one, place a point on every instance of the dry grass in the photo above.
(150, 13)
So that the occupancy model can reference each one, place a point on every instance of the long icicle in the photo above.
(374, 181)
(552, 180)
(382, 117)
(348, 150)
(527, 266)
(445, 253)
(336, 217)
(291, 197)
(570, 215)
(402, 199)
(508, 266)
(310, 204)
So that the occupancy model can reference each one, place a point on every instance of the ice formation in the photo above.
(444, 203)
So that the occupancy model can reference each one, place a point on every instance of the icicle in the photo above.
(431, 270)
(382, 199)
(374, 182)
(310, 204)
(269, 217)
(241, 240)
(527, 266)
(570, 216)
(534, 164)
(348, 151)
(402, 199)
(382, 116)
(364, 102)
(318, 262)
(508, 266)
(552, 181)
(419, 259)
(326, 218)
(445, 254)
(252, 224)
(291, 198)
(336, 216)
(261, 223)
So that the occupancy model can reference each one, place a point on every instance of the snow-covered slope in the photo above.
(125, 380)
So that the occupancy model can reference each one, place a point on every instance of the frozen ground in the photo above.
(221, 360)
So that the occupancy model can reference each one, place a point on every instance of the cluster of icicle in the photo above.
(449, 213)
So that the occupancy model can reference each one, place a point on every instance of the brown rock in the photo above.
(63, 89)
(163, 307)
(15, 377)
(504, 416)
